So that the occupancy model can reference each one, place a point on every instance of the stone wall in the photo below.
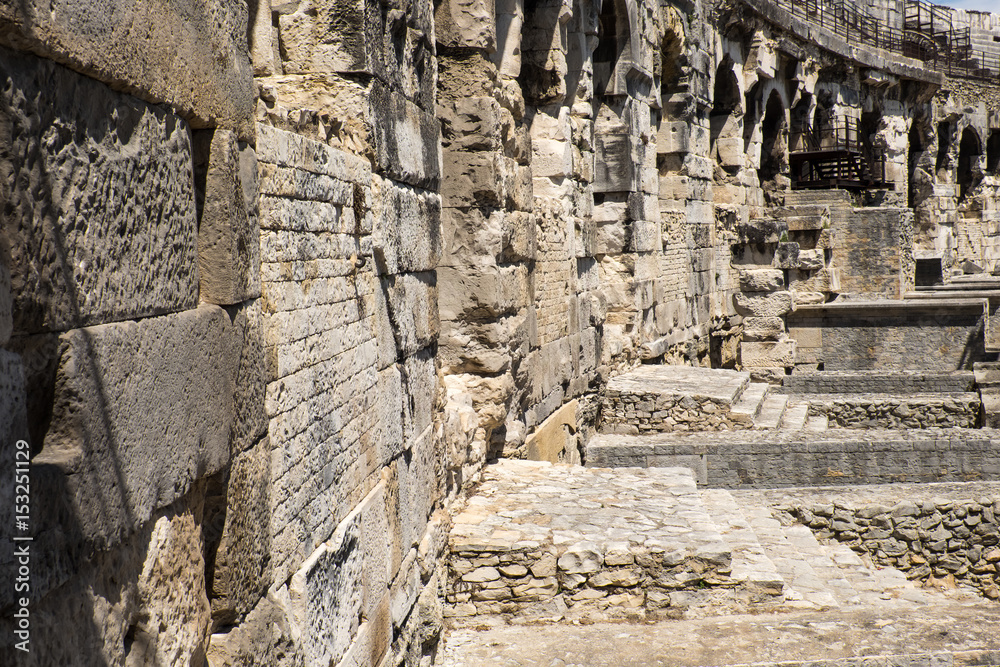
(927, 539)
(878, 382)
(776, 458)
(861, 410)
(887, 335)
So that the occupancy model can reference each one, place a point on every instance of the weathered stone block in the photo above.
(466, 24)
(116, 385)
(555, 439)
(242, 561)
(493, 290)
(786, 255)
(471, 124)
(766, 354)
(406, 138)
(100, 222)
(249, 415)
(407, 230)
(763, 328)
(326, 594)
(474, 179)
(762, 280)
(811, 260)
(191, 55)
(228, 227)
(412, 300)
(763, 304)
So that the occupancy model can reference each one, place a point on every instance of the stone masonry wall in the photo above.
(927, 539)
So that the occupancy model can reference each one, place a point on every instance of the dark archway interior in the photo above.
(969, 151)
(944, 145)
(993, 152)
(609, 46)
(772, 150)
(726, 100)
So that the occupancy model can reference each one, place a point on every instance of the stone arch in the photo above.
(774, 139)
(724, 138)
(970, 149)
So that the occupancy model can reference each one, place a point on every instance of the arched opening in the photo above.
(993, 153)
(671, 67)
(915, 148)
(969, 152)
(724, 139)
(774, 146)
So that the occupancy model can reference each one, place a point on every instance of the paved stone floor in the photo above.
(952, 632)
(779, 596)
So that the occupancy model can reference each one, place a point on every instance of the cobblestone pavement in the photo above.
(780, 595)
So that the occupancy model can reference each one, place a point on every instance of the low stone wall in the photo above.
(930, 538)
(938, 335)
(878, 382)
(654, 413)
(539, 540)
(768, 459)
(662, 398)
(894, 412)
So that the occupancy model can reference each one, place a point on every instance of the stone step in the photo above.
(804, 587)
(659, 398)
(752, 569)
(771, 412)
(748, 407)
(895, 411)
(817, 423)
(797, 198)
(539, 539)
(795, 417)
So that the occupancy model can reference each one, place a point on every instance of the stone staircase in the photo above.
(543, 543)
(664, 399)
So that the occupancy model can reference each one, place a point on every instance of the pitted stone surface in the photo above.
(542, 539)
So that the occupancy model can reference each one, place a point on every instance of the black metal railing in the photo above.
(927, 35)
(836, 134)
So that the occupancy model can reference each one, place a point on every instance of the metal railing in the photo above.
(927, 35)
(837, 134)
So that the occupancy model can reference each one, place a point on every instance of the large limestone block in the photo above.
(242, 562)
(555, 439)
(419, 390)
(762, 280)
(763, 304)
(767, 354)
(229, 227)
(142, 602)
(190, 54)
(249, 386)
(407, 230)
(100, 220)
(786, 255)
(616, 166)
(763, 328)
(465, 24)
(482, 291)
(418, 481)
(471, 124)
(141, 410)
(406, 138)
(392, 44)
(413, 310)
